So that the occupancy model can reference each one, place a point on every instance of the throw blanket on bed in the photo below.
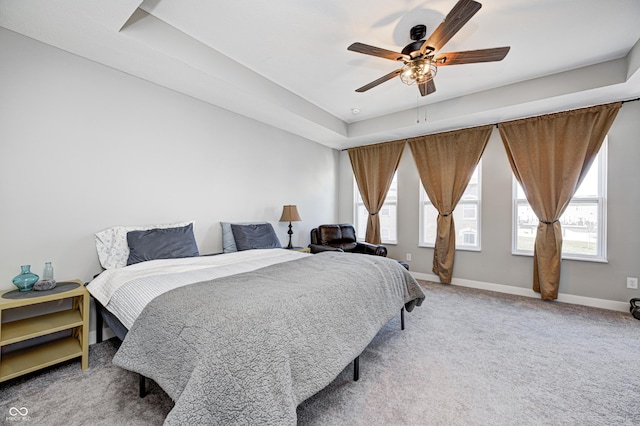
(250, 348)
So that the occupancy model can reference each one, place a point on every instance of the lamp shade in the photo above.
(290, 214)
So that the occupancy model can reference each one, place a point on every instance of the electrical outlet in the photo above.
(409, 259)
(632, 282)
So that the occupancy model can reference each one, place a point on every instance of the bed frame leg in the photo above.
(402, 318)
(143, 386)
(356, 369)
(99, 321)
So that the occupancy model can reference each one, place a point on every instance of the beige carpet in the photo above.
(467, 357)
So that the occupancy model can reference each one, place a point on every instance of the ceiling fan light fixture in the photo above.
(419, 57)
(418, 71)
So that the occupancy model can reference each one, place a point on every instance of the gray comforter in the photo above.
(247, 349)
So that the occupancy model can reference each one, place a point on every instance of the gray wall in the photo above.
(84, 147)
(495, 264)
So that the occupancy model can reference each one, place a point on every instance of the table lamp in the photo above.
(290, 214)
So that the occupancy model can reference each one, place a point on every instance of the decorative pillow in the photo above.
(162, 243)
(228, 242)
(111, 244)
(257, 236)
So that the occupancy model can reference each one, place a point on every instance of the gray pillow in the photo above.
(256, 236)
(161, 243)
(228, 242)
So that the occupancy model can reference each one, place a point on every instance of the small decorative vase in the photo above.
(26, 279)
(47, 273)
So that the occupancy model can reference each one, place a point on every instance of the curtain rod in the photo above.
(496, 124)
(589, 106)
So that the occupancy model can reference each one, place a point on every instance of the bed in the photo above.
(246, 336)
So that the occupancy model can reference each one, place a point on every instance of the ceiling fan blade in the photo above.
(378, 51)
(453, 22)
(472, 56)
(427, 88)
(381, 80)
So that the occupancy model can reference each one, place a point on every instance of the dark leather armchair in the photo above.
(341, 238)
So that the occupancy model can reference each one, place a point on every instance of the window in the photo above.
(469, 238)
(466, 216)
(388, 214)
(469, 211)
(583, 222)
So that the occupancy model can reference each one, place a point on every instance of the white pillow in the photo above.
(228, 241)
(112, 247)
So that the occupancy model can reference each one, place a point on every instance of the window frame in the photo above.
(359, 203)
(601, 201)
(424, 200)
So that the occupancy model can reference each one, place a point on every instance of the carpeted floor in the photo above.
(467, 357)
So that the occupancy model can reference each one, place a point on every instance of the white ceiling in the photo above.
(286, 62)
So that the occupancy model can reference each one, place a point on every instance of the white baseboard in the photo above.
(106, 334)
(501, 288)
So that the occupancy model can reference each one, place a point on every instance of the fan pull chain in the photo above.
(418, 110)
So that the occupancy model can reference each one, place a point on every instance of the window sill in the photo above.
(384, 243)
(579, 259)
(476, 249)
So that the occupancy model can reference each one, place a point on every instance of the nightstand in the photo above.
(300, 249)
(23, 361)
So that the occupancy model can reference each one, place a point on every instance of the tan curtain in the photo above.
(549, 156)
(373, 167)
(445, 162)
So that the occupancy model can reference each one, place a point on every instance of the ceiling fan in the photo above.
(419, 57)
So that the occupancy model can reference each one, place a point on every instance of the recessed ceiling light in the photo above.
(355, 110)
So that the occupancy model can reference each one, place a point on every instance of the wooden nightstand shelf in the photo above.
(301, 249)
(76, 319)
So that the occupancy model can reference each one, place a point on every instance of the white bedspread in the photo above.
(126, 291)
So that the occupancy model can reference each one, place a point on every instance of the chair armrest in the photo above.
(368, 248)
(317, 248)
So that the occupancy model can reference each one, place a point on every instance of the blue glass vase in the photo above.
(26, 279)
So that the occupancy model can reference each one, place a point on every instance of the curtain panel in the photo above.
(373, 167)
(445, 163)
(550, 155)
